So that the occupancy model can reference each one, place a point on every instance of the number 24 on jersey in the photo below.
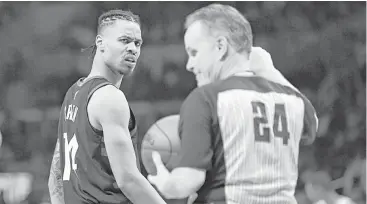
(279, 127)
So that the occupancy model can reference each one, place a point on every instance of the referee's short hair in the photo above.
(226, 21)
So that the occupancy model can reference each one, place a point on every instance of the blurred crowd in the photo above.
(319, 46)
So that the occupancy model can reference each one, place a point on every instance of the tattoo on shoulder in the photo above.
(55, 180)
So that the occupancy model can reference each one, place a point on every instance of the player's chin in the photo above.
(127, 70)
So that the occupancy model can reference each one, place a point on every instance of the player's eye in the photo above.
(124, 40)
(137, 43)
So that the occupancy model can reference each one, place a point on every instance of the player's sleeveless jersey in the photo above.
(87, 175)
(256, 129)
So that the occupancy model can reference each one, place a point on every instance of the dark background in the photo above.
(319, 46)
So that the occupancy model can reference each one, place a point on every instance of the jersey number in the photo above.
(70, 151)
(280, 125)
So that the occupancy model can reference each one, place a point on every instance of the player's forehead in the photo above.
(124, 28)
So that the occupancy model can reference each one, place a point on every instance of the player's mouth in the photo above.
(130, 59)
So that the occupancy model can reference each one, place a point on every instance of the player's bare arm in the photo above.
(108, 107)
(55, 184)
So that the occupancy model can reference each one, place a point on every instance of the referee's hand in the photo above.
(260, 60)
(160, 179)
(262, 65)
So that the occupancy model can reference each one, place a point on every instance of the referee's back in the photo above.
(256, 131)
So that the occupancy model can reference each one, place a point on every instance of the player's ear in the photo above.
(222, 47)
(100, 43)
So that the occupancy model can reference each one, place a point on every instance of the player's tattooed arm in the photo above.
(55, 184)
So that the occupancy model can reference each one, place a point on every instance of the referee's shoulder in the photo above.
(205, 90)
(279, 88)
(210, 90)
(194, 94)
(212, 87)
(199, 94)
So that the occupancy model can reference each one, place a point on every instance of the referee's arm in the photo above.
(196, 151)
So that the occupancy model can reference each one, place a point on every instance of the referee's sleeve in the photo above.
(311, 123)
(195, 132)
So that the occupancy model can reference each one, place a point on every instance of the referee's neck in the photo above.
(234, 64)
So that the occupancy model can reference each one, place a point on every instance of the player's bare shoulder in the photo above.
(107, 103)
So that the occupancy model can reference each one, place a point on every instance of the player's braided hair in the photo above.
(109, 18)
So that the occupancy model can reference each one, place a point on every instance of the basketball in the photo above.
(162, 137)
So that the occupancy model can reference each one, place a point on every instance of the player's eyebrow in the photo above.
(132, 38)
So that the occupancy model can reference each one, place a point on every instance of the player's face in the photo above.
(201, 51)
(122, 42)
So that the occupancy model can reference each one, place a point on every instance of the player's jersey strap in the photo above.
(132, 125)
(133, 128)
(101, 84)
(96, 88)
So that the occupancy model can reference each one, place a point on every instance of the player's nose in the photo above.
(131, 47)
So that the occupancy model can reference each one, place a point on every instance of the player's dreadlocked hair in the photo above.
(108, 18)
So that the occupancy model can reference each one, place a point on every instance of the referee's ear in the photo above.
(222, 47)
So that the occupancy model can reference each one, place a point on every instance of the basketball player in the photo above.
(240, 133)
(94, 159)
